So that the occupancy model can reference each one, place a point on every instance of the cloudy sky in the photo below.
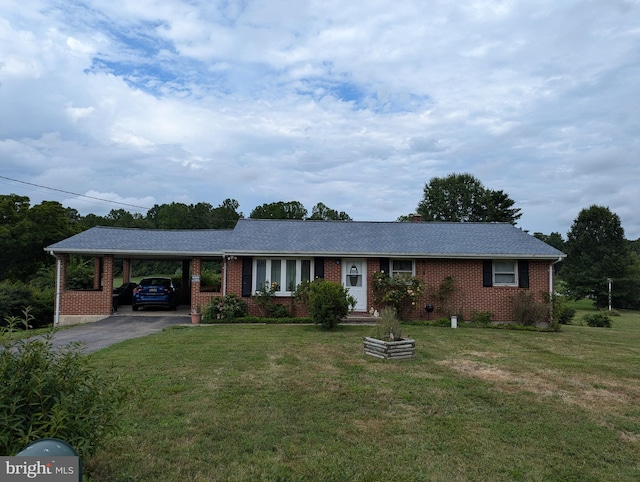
(356, 104)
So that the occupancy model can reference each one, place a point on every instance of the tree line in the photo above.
(595, 245)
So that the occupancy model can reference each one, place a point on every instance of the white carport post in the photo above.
(56, 311)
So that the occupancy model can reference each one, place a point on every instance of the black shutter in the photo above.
(318, 267)
(247, 268)
(384, 265)
(487, 273)
(523, 273)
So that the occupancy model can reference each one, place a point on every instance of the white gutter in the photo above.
(338, 254)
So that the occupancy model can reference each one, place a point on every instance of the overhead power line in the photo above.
(74, 193)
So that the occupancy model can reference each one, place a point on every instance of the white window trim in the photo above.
(514, 272)
(283, 273)
(392, 272)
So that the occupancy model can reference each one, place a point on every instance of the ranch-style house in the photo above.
(489, 262)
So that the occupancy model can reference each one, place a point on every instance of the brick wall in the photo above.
(88, 302)
(333, 269)
(467, 274)
(469, 292)
(199, 298)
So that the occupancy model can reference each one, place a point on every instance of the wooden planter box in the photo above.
(390, 350)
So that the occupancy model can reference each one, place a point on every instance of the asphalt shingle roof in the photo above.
(139, 242)
(258, 236)
(322, 238)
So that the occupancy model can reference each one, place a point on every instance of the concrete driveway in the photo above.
(117, 328)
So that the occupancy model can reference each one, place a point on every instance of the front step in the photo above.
(360, 317)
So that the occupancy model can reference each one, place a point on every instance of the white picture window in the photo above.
(281, 274)
(402, 268)
(505, 272)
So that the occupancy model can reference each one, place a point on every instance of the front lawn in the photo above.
(256, 402)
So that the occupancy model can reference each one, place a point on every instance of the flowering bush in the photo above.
(400, 292)
(224, 308)
(265, 300)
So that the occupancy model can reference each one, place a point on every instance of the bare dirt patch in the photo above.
(594, 395)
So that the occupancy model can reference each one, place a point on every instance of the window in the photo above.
(505, 272)
(282, 274)
(402, 268)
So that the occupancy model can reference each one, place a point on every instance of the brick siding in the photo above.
(470, 294)
(97, 301)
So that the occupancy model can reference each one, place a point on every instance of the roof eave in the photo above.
(336, 254)
(140, 253)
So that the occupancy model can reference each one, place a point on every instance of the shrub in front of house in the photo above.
(481, 317)
(329, 303)
(445, 297)
(265, 300)
(224, 308)
(527, 311)
(566, 315)
(598, 320)
(562, 313)
(265, 321)
(399, 292)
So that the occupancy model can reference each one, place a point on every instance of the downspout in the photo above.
(224, 276)
(551, 286)
(56, 311)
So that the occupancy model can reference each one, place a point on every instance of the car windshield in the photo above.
(156, 282)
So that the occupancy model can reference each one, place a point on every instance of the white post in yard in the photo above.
(454, 321)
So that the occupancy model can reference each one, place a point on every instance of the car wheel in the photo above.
(134, 307)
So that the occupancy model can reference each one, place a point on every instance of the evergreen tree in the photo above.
(596, 251)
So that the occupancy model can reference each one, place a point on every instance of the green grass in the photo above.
(250, 402)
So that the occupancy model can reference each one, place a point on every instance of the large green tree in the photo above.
(194, 216)
(279, 210)
(461, 198)
(25, 231)
(596, 251)
(323, 213)
(170, 216)
(554, 239)
(226, 215)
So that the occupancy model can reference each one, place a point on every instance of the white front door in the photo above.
(354, 277)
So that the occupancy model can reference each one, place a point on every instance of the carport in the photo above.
(105, 245)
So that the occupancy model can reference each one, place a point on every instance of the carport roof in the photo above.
(139, 243)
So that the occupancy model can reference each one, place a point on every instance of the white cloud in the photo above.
(354, 104)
